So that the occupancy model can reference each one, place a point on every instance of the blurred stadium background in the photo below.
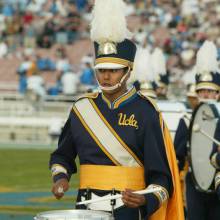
(46, 61)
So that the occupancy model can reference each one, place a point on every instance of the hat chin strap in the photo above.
(116, 86)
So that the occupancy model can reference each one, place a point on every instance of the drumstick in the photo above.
(196, 128)
(141, 192)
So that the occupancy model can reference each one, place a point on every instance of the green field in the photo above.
(25, 171)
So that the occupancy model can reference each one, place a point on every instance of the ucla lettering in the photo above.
(127, 121)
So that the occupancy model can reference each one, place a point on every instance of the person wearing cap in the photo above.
(202, 205)
(119, 135)
(143, 75)
(192, 97)
(181, 136)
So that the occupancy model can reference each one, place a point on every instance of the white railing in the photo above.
(22, 121)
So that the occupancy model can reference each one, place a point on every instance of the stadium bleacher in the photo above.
(176, 26)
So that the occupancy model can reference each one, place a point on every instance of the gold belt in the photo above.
(111, 177)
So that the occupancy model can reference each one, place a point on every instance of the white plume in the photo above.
(109, 22)
(158, 62)
(206, 59)
(143, 70)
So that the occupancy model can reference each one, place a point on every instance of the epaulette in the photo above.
(90, 95)
(152, 101)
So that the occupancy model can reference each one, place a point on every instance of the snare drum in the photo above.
(74, 215)
(172, 112)
(205, 117)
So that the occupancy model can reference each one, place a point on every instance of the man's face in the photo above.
(193, 101)
(110, 77)
(208, 94)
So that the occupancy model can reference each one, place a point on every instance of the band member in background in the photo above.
(202, 205)
(160, 72)
(119, 135)
(182, 135)
(192, 97)
(143, 75)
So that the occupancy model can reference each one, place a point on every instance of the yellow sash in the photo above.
(111, 177)
(173, 208)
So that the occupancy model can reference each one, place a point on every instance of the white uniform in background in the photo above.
(69, 83)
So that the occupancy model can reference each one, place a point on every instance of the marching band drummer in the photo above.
(118, 134)
(181, 137)
(202, 205)
(215, 154)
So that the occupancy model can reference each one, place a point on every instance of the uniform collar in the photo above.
(121, 99)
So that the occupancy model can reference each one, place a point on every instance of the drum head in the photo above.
(73, 215)
(205, 117)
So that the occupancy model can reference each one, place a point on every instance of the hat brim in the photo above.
(191, 94)
(109, 66)
(209, 86)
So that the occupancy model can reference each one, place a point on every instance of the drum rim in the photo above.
(215, 112)
(71, 210)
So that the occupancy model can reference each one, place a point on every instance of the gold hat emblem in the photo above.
(206, 76)
(107, 48)
(146, 85)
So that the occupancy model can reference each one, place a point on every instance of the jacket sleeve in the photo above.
(180, 143)
(62, 160)
(157, 172)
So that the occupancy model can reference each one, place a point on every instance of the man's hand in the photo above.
(132, 200)
(59, 187)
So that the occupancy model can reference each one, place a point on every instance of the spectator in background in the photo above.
(72, 23)
(3, 49)
(46, 39)
(81, 4)
(35, 83)
(22, 72)
(35, 6)
(28, 17)
(13, 29)
(44, 64)
(44, 42)
(87, 77)
(53, 7)
(2, 25)
(69, 83)
(62, 64)
(7, 10)
(57, 88)
(29, 36)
